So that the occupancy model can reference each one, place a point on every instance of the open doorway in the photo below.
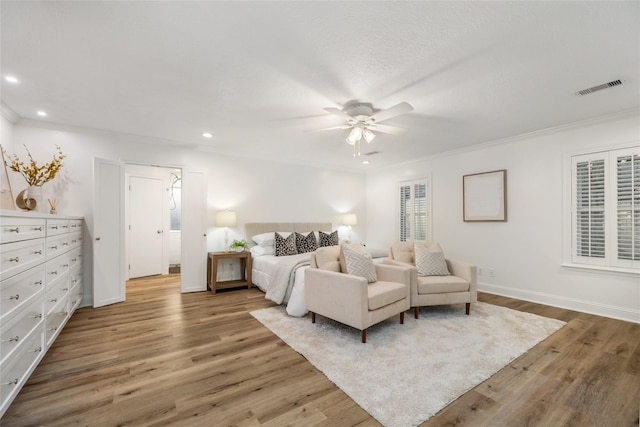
(153, 211)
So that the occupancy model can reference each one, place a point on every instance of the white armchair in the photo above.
(351, 299)
(457, 288)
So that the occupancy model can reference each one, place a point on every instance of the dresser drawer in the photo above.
(75, 296)
(16, 369)
(75, 225)
(56, 267)
(18, 329)
(19, 256)
(57, 226)
(75, 257)
(55, 321)
(14, 229)
(57, 245)
(75, 239)
(18, 291)
(56, 292)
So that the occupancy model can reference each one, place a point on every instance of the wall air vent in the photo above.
(584, 92)
(371, 153)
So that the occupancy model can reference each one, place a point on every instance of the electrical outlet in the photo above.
(480, 271)
(492, 273)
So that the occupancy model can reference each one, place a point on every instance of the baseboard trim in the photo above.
(628, 315)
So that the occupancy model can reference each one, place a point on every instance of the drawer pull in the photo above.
(53, 272)
(55, 328)
(38, 252)
(14, 339)
(37, 228)
(54, 227)
(53, 300)
(38, 316)
(53, 247)
(37, 350)
(65, 244)
(65, 289)
(74, 259)
(14, 382)
(15, 297)
(39, 282)
(14, 230)
(74, 241)
(74, 281)
(16, 259)
(65, 265)
(65, 226)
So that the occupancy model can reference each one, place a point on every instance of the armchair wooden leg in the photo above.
(313, 317)
(416, 310)
(364, 336)
(402, 318)
(468, 307)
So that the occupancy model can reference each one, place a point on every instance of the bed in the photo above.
(281, 278)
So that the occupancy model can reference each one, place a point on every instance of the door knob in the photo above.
(97, 238)
(159, 231)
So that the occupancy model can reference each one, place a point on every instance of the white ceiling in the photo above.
(258, 74)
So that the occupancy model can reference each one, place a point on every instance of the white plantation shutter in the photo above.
(606, 208)
(590, 214)
(413, 211)
(628, 198)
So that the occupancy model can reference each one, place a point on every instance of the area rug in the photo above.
(405, 374)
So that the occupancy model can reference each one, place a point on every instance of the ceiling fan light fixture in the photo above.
(355, 135)
(368, 135)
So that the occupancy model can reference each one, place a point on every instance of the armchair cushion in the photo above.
(358, 262)
(382, 293)
(430, 260)
(441, 284)
(327, 258)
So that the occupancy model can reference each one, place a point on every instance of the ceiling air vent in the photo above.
(584, 92)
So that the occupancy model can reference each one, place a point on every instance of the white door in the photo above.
(193, 267)
(108, 232)
(146, 238)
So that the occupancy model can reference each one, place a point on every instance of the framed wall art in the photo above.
(484, 196)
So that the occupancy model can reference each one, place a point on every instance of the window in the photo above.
(414, 211)
(605, 210)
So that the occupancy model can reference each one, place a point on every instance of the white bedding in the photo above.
(282, 280)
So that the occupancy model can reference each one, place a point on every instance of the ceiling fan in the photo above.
(362, 121)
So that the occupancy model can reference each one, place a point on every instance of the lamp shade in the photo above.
(349, 219)
(226, 219)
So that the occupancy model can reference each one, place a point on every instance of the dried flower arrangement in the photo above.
(35, 175)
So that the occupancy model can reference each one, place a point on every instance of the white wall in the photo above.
(527, 250)
(258, 190)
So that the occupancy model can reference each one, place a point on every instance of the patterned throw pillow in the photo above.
(359, 262)
(286, 246)
(306, 243)
(430, 260)
(328, 239)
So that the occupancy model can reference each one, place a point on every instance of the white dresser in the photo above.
(40, 287)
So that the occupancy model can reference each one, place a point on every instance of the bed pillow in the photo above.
(257, 251)
(430, 260)
(325, 239)
(306, 243)
(268, 239)
(358, 261)
(285, 245)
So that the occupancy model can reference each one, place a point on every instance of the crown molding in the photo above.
(9, 114)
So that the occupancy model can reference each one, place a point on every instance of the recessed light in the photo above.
(11, 79)
(207, 134)
(42, 113)
(365, 162)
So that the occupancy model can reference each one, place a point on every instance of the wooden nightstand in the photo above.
(212, 270)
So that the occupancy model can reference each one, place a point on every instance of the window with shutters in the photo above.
(605, 208)
(414, 216)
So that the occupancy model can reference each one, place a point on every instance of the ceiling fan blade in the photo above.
(336, 111)
(331, 128)
(396, 110)
(393, 130)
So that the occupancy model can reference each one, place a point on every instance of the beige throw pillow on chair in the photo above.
(430, 260)
(358, 262)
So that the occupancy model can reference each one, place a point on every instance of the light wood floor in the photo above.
(164, 358)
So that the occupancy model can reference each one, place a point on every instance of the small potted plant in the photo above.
(239, 245)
